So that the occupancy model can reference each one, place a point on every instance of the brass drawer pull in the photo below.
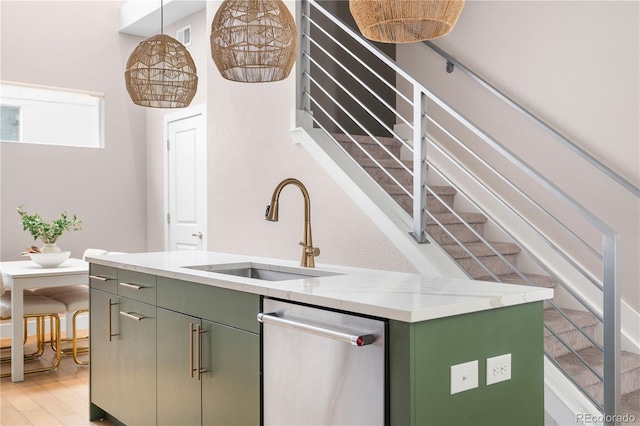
(99, 278)
(134, 286)
(110, 303)
(131, 316)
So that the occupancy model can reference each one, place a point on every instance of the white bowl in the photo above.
(50, 260)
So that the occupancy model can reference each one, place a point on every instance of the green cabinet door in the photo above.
(104, 354)
(136, 361)
(178, 390)
(231, 381)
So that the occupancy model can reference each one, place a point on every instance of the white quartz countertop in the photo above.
(392, 295)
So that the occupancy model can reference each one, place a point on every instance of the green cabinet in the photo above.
(171, 352)
(421, 355)
(208, 373)
(123, 344)
(208, 363)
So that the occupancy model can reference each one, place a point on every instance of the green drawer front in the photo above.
(103, 278)
(137, 286)
(221, 305)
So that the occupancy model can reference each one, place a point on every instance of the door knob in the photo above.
(199, 235)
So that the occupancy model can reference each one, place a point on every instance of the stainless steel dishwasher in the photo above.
(321, 367)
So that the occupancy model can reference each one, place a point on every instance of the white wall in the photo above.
(156, 144)
(250, 151)
(574, 64)
(76, 45)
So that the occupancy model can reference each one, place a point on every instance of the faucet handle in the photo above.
(310, 250)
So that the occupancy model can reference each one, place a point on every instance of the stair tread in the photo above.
(560, 324)
(451, 219)
(479, 249)
(628, 362)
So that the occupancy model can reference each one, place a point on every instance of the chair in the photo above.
(76, 300)
(38, 307)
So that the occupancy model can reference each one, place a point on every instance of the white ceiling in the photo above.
(142, 17)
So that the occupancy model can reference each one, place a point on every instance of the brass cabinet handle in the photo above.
(110, 303)
(198, 364)
(199, 350)
(134, 286)
(99, 278)
(191, 330)
(131, 316)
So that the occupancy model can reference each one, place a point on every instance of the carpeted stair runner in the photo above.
(630, 373)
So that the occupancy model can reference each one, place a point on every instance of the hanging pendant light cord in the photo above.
(161, 16)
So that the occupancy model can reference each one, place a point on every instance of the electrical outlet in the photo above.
(464, 376)
(498, 369)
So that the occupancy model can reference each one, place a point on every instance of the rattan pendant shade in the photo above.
(161, 74)
(254, 41)
(405, 21)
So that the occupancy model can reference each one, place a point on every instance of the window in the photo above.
(10, 123)
(50, 115)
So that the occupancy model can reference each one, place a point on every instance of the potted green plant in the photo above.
(48, 230)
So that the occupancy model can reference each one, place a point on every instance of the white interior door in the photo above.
(187, 180)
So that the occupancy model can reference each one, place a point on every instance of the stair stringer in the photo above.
(395, 223)
(563, 401)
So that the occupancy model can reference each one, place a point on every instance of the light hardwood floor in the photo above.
(59, 397)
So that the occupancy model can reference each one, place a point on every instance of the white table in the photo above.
(26, 274)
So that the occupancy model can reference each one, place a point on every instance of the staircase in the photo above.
(445, 228)
(349, 90)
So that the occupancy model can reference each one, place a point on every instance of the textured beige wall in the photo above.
(250, 151)
(75, 45)
(575, 65)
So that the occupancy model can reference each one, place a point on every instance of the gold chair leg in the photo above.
(55, 329)
(39, 340)
(76, 350)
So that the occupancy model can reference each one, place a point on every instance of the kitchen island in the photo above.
(432, 324)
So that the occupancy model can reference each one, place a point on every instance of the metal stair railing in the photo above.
(324, 85)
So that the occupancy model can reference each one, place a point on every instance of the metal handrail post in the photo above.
(419, 232)
(302, 81)
(611, 312)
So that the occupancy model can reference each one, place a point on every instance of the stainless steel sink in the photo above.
(262, 272)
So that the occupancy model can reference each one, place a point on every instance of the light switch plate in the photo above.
(464, 376)
(498, 369)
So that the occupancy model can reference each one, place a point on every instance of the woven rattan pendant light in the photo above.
(405, 21)
(161, 73)
(254, 41)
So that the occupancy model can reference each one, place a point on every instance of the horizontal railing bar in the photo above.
(339, 105)
(364, 107)
(510, 208)
(457, 241)
(357, 79)
(354, 141)
(360, 61)
(527, 251)
(575, 324)
(511, 266)
(573, 352)
(532, 117)
(476, 233)
(577, 355)
(367, 45)
(515, 188)
(524, 167)
(566, 374)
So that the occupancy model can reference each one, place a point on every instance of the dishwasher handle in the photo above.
(355, 340)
